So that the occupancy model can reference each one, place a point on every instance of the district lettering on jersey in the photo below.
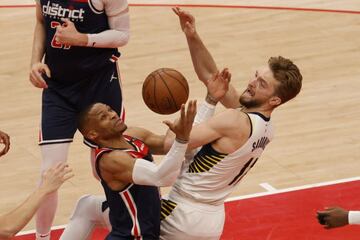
(56, 11)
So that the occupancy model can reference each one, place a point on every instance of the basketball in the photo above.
(164, 90)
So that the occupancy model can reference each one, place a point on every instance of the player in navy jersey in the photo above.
(125, 166)
(74, 61)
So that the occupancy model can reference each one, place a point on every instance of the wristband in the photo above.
(354, 217)
(209, 99)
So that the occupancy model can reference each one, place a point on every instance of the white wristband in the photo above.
(354, 217)
(206, 111)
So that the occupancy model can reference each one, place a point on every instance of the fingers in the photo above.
(182, 112)
(66, 21)
(35, 75)
(67, 177)
(176, 10)
(5, 139)
(61, 171)
(47, 71)
(169, 124)
(191, 110)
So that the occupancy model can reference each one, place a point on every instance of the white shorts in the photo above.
(188, 220)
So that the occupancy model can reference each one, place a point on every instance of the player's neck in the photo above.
(118, 142)
(262, 110)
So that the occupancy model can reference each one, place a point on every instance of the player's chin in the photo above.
(123, 128)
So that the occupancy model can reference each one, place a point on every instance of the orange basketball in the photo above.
(164, 90)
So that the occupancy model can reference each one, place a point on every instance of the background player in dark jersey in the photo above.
(128, 174)
(78, 41)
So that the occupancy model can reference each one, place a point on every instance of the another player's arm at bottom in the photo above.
(14, 221)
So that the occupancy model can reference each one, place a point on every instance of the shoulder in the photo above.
(114, 7)
(115, 160)
(136, 132)
(231, 117)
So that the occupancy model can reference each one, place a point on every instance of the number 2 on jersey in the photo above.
(54, 43)
(243, 171)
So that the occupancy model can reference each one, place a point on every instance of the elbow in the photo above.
(123, 40)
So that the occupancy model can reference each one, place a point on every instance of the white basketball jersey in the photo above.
(210, 177)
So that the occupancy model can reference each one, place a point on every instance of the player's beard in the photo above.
(251, 103)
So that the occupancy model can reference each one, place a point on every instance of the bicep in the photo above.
(116, 7)
(154, 141)
(119, 164)
(220, 125)
(204, 133)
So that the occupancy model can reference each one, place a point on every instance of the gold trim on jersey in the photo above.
(167, 206)
(205, 159)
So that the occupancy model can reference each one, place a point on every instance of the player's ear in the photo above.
(275, 101)
(92, 135)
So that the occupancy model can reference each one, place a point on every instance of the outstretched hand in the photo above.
(187, 21)
(218, 85)
(54, 177)
(182, 126)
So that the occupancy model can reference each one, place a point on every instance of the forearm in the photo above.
(38, 48)
(164, 174)
(13, 222)
(205, 67)
(117, 36)
(203, 62)
(108, 39)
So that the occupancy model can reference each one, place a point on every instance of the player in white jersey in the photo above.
(226, 145)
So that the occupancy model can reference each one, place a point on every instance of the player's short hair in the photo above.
(83, 117)
(289, 77)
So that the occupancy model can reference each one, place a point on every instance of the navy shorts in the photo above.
(63, 100)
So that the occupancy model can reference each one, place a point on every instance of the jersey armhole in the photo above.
(251, 125)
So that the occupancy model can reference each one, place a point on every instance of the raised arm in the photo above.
(15, 220)
(204, 64)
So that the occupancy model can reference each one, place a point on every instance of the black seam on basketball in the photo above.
(186, 87)
(145, 85)
(172, 97)
(157, 107)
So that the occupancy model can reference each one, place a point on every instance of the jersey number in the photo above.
(244, 171)
(54, 43)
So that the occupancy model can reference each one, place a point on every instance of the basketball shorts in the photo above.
(184, 219)
(62, 101)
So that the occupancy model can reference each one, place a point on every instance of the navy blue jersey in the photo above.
(135, 210)
(71, 63)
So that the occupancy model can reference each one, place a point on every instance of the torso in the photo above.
(134, 209)
(69, 63)
(210, 176)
